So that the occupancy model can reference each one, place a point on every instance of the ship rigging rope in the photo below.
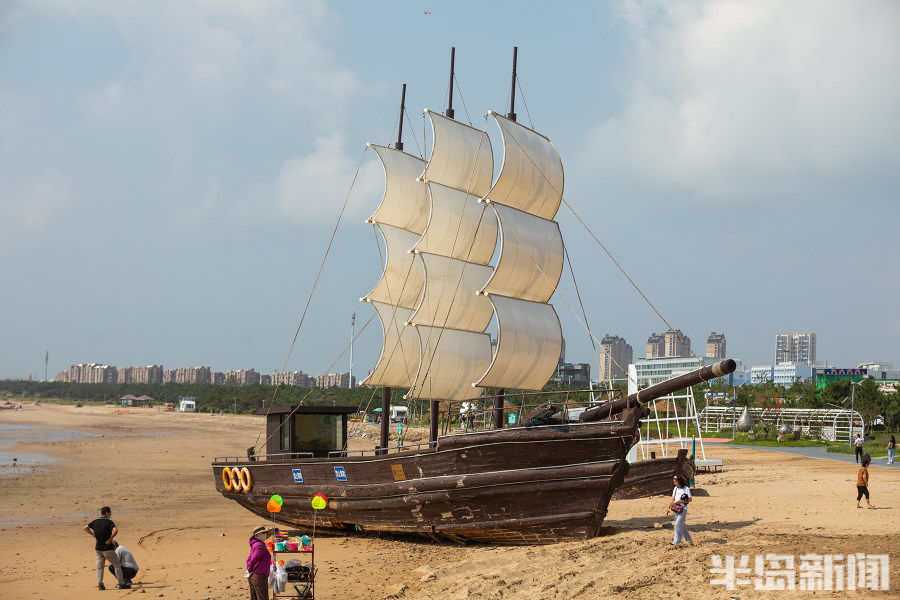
(315, 284)
(525, 102)
(290, 414)
(608, 253)
(583, 312)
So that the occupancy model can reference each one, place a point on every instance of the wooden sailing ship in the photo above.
(439, 291)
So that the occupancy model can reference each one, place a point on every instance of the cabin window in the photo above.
(285, 434)
(319, 434)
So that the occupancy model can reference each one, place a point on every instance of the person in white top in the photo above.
(681, 496)
(859, 447)
(126, 560)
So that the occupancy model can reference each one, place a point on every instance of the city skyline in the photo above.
(210, 231)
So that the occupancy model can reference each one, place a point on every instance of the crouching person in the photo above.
(126, 562)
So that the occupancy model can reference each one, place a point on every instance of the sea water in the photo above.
(12, 434)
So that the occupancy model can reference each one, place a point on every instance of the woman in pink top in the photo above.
(258, 564)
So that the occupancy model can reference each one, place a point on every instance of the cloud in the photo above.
(33, 205)
(311, 189)
(741, 98)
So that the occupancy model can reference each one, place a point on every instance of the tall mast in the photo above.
(512, 90)
(449, 112)
(399, 144)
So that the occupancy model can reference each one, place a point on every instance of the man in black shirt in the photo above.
(103, 531)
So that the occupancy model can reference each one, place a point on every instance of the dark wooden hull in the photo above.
(511, 486)
(654, 477)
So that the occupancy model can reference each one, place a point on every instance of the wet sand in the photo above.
(153, 468)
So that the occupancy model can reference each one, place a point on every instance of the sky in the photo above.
(171, 172)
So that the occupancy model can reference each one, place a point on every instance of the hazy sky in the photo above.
(170, 171)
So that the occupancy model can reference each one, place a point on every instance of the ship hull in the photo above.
(654, 477)
(513, 486)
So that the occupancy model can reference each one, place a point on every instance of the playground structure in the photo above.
(832, 424)
(668, 428)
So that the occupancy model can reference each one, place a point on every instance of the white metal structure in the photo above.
(656, 435)
(832, 424)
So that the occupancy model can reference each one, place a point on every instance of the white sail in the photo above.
(461, 156)
(402, 280)
(458, 226)
(531, 256)
(449, 299)
(404, 203)
(451, 360)
(531, 177)
(529, 344)
(399, 360)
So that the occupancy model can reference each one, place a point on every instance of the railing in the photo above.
(482, 418)
(258, 457)
(380, 451)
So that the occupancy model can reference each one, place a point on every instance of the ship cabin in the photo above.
(303, 431)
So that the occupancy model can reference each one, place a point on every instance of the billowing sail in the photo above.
(401, 282)
(531, 178)
(400, 351)
(528, 346)
(458, 226)
(451, 360)
(448, 300)
(404, 203)
(461, 156)
(531, 256)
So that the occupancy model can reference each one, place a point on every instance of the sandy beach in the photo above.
(153, 469)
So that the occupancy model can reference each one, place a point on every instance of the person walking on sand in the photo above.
(859, 447)
(862, 483)
(127, 562)
(103, 531)
(258, 564)
(681, 495)
(892, 445)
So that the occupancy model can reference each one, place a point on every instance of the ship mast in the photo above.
(386, 390)
(512, 88)
(449, 112)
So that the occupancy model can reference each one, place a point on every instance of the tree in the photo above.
(868, 400)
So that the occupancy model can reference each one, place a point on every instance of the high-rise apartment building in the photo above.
(217, 378)
(295, 378)
(656, 345)
(243, 376)
(147, 374)
(677, 344)
(615, 356)
(715, 345)
(193, 375)
(798, 348)
(89, 373)
(335, 380)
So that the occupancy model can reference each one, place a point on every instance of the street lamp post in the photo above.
(853, 385)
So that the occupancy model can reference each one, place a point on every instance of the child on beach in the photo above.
(258, 564)
(862, 483)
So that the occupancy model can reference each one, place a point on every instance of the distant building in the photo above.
(798, 348)
(295, 378)
(217, 378)
(126, 375)
(677, 344)
(650, 371)
(168, 376)
(147, 374)
(89, 373)
(193, 375)
(244, 376)
(826, 376)
(335, 380)
(265, 380)
(573, 375)
(656, 345)
(615, 356)
(715, 345)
